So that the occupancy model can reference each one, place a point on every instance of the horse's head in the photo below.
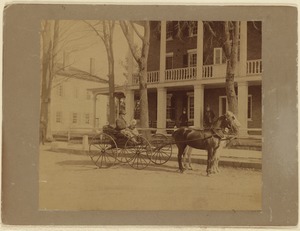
(231, 122)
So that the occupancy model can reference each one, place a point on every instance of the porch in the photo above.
(253, 68)
(166, 105)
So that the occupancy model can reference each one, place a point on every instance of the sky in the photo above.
(82, 43)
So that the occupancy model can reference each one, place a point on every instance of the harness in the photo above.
(216, 132)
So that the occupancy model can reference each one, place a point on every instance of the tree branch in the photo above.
(94, 29)
(210, 28)
(124, 28)
(227, 44)
(135, 30)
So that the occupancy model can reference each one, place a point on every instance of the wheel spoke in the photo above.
(101, 150)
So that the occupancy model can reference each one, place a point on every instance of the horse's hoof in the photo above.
(180, 170)
(208, 174)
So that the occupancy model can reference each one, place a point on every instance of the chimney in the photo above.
(66, 61)
(92, 66)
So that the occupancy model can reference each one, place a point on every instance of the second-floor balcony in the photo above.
(253, 67)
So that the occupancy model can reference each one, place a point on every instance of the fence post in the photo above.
(85, 143)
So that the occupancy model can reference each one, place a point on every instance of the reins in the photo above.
(214, 135)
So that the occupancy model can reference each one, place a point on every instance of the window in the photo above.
(249, 107)
(60, 90)
(87, 118)
(169, 107)
(223, 105)
(169, 34)
(190, 109)
(74, 118)
(76, 92)
(58, 117)
(192, 58)
(169, 61)
(193, 29)
(218, 55)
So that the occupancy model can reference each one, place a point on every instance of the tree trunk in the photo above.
(144, 116)
(111, 73)
(230, 90)
(107, 38)
(231, 52)
(49, 136)
(46, 76)
(142, 63)
(143, 80)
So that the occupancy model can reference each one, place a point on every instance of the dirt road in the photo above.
(71, 182)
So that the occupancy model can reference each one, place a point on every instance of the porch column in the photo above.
(198, 105)
(243, 49)
(161, 107)
(162, 57)
(129, 102)
(199, 49)
(243, 107)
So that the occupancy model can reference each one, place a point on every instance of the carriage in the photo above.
(110, 147)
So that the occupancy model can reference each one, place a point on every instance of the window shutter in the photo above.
(185, 60)
(71, 118)
(78, 118)
(62, 90)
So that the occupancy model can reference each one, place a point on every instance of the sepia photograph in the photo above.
(150, 115)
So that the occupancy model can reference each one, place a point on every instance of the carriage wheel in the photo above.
(162, 149)
(138, 152)
(103, 150)
(121, 157)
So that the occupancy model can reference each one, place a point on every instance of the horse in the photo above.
(215, 166)
(207, 139)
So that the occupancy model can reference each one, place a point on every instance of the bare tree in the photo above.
(50, 33)
(56, 37)
(141, 60)
(105, 30)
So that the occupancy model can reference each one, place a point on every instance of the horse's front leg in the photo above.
(209, 161)
(184, 158)
(214, 162)
(189, 153)
(179, 158)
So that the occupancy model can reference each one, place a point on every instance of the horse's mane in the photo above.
(217, 123)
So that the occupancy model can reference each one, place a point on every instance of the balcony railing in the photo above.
(254, 67)
(153, 77)
(207, 71)
(181, 74)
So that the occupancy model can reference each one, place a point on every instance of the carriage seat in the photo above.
(113, 132)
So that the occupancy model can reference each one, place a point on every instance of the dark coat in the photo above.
(183, 120)
(208, 118)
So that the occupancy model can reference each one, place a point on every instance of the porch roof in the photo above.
(119, 91)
